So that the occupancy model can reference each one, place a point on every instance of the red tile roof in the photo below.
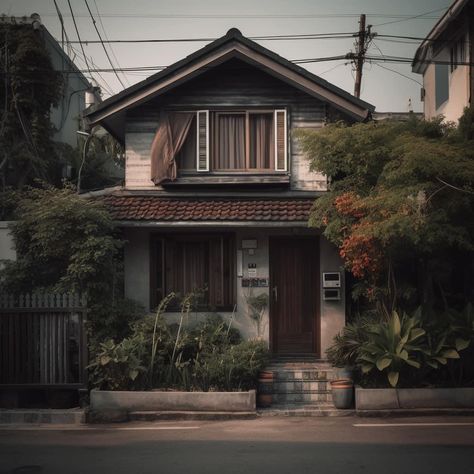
(156, 208)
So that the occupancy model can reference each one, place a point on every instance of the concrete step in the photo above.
(297, 386)
(72, 416)
(304, 410)
(190, 415)
(303, 375)
(301, 397)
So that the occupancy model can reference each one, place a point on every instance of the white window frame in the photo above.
(206, 169)
(285, 142)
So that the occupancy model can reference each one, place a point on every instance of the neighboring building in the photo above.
(218, 192)
(446, 60)
(66, 118)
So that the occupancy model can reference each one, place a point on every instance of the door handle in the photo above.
(275, 293)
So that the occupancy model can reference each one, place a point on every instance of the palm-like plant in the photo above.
(391, 346)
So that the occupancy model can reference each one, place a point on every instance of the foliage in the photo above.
(208, 356)
(31, 88)
(345, 347)
(117, 366)
(391, 346)
(63, 242)
(257, 306)
(423, 348)
(401, 195)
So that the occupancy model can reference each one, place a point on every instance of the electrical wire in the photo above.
(414, 17)
(102, 43)
(396, 72)
(107, 39)
(78, 36)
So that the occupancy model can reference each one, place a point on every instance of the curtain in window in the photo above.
(230, 142)
(169, 139)
(261, 141)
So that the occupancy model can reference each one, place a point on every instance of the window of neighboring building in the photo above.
(441, 84)
(457, 53)
(185, 263)
(235, 141)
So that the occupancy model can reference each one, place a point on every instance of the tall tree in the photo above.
(400, 205)
(30, 87)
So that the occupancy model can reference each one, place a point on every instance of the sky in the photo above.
(389, 90)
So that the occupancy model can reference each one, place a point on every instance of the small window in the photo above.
(457, 54)
(235, 141)
(202, 264)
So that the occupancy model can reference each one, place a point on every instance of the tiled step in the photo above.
(297, 385)
(303, 375)
(303, 410)
(308, 397)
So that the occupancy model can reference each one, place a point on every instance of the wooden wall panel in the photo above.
(234, 84)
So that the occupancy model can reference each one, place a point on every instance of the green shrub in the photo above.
(209, 356)
(422, 349)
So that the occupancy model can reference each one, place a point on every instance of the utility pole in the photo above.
(360, 55)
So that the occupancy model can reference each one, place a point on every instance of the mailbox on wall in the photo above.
(331, 286)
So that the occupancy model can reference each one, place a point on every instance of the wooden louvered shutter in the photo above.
(280, 141)
(202, 148)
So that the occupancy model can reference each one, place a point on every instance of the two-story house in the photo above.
(218, 192)
(445, 59)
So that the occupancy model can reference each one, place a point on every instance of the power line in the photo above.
(423, 16)
(397, 72)
(78, 36)
(257, 38)
(102, 43)
(107, 39)
(414, 17)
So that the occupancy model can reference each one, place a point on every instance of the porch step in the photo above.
(308, 397)
(302, 386)
(304, 410)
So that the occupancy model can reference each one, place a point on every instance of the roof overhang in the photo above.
(421, 59)
(111, 113)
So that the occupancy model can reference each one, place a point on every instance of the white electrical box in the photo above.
(332, 280)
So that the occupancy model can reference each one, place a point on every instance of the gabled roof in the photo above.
(110, 113)
(419, 63)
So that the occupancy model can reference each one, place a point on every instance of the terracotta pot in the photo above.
(265, 389)
(342, 393)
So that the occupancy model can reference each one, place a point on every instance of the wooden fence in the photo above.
(42, 340)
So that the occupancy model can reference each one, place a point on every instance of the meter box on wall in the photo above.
(331, 286)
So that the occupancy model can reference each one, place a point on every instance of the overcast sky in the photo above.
(145, 19)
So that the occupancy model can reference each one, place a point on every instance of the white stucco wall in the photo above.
(137, 281)
(7, 246)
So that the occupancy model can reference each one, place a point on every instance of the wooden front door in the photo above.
(294, 295)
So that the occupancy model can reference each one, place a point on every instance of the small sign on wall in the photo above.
(254, 282)
(252, 270)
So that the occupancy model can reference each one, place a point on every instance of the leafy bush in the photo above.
(391, 345)
(209, 356)
(421, 349)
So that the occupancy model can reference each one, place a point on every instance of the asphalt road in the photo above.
(265, 445)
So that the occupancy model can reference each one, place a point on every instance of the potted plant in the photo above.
(342, 393)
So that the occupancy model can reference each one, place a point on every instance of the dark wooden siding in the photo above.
(234, 84)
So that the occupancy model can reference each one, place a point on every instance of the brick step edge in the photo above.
(190, 415)
(305, 412)
(42, 416)
(299, 380)
(296, 391)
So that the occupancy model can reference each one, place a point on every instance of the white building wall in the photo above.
(137, 281)
(7, 246)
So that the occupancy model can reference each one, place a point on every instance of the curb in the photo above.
(407, 412)
(73, 416)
